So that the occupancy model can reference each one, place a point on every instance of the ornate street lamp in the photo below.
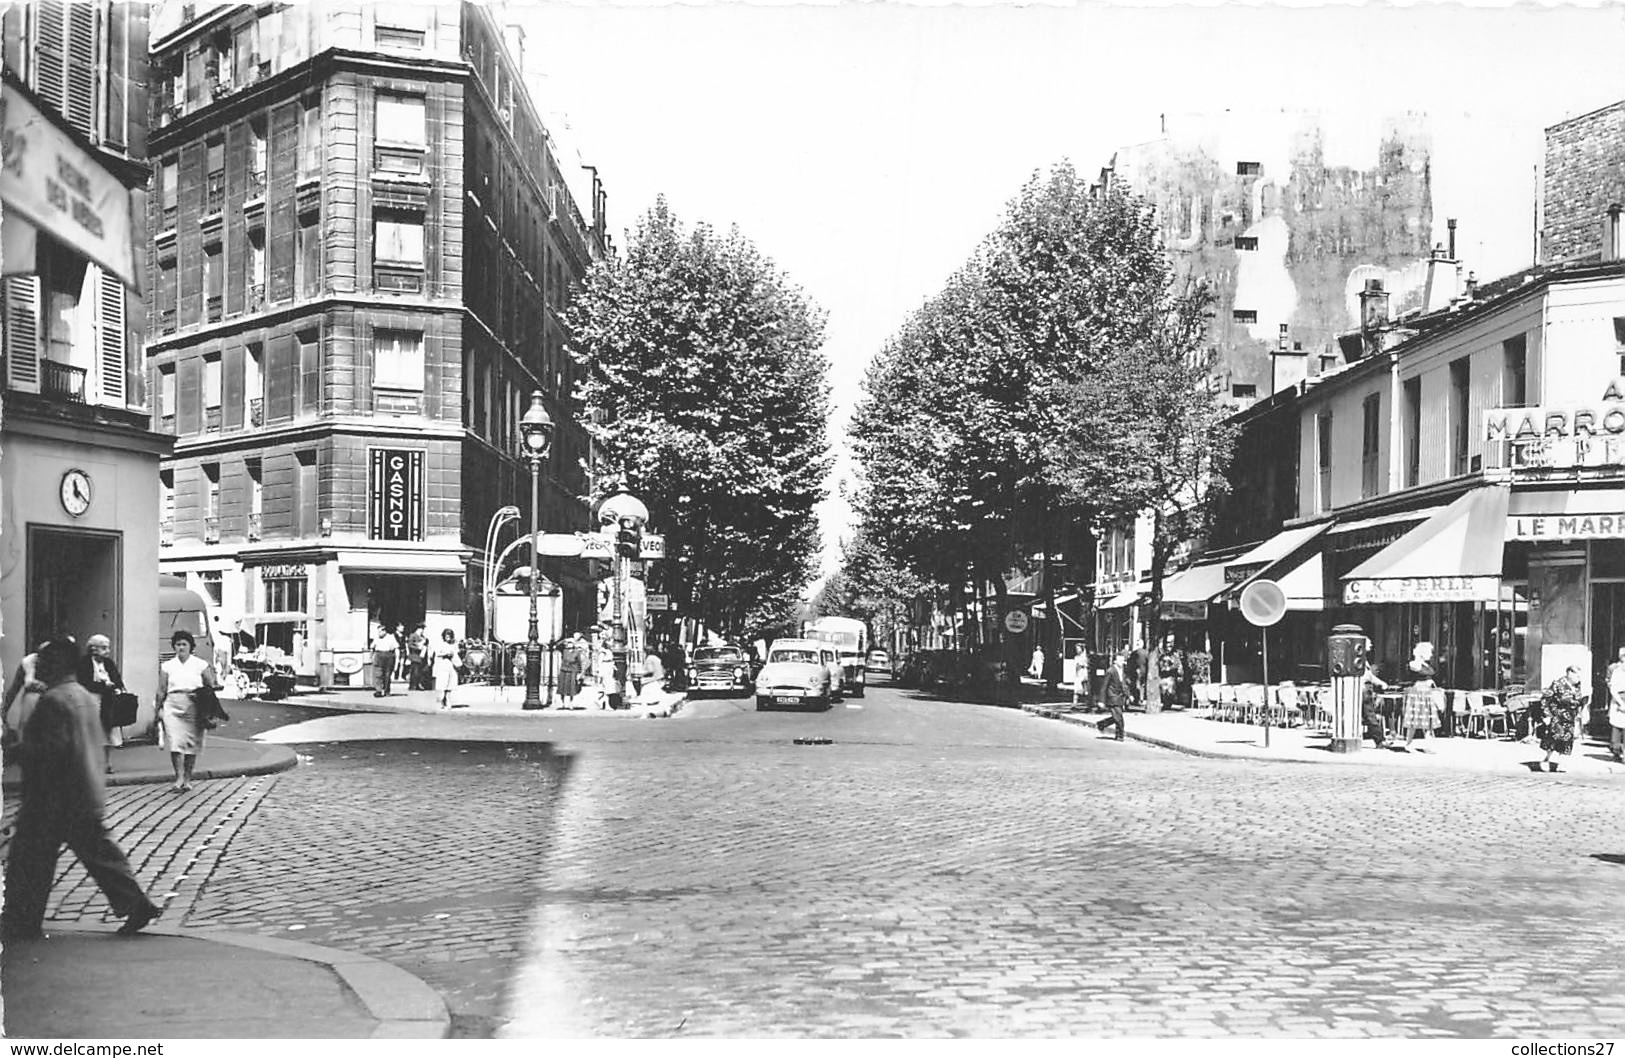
(535, 437)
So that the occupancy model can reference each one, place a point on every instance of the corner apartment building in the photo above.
(78, 463)
(1461, 479)
(365, 237)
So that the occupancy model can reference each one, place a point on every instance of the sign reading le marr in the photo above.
(395, 494)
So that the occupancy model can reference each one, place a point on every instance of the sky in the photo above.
(868, 147)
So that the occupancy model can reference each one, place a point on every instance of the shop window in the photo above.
(285, 594)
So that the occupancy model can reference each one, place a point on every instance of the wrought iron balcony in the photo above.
(256, 297)
(256, 411)
(215, 306)
(62, 381)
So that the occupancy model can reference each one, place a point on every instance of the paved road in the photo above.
(938, 869)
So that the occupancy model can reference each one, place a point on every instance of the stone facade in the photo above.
(1584, 176)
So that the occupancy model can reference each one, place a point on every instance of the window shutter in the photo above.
(110, 338)
(50, 38)
(83, 66)
(22, 333)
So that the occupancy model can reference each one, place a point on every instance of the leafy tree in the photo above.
(703, 373)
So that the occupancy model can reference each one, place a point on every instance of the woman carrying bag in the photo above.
(187, 706)
(99, 674)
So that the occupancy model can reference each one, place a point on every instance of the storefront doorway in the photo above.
(1607, 636)
(395, 601)
(73, 585)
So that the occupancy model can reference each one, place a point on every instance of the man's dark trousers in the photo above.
(383, 670)
(1115, 718)
(31, 867)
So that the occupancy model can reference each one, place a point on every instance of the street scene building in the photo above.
(79, 537)
(364, 238)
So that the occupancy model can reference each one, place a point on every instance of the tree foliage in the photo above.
(1055, 381)
(704, 377)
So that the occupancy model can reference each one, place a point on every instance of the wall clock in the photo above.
(75, 492)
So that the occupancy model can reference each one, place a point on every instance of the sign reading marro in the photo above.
(395, 494)
(1569, 435)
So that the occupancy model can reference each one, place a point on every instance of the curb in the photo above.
(274, 759)
(1163, 743)
(403, 1005)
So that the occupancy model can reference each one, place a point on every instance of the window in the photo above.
(211, 494)
(1460, 380)
(1246, 242)
(398, 239)
(253, 385)
(166, 391)
(401, 26)
(310, 376)
(1370, 436)
(395, 37)
(285, 594)
(1323, 460)
(166, 503)
(1619, 341)
(256, 271)
(257, 160)
(212, 581)
(401, 120)
(307, 501)
(1244, 315)
(1244, 390)
(1249, 168)
(211, 392)
(397, 359)
(65, 283)
(169, 190)
(1515, 373)
(256, 497)
(310, 141)
(215, 200)
(1413, 432)
(214, 283)
(308, 258)
(168, 295)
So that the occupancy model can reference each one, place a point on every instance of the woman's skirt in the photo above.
(569, 682)
(445, 675)
(177, 723)
(1419, 714)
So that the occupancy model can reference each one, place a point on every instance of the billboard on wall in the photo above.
(395, 494)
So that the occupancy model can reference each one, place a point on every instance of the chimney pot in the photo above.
(1451, 225)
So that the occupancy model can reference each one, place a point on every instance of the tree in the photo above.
(704, 377)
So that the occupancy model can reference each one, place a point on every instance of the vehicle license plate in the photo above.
(787, 699)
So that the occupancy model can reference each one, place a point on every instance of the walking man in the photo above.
(64, 794)
(384, 649)
(417, 648)
(1114, 693)
(1616, 707)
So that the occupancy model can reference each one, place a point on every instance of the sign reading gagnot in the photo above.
(56, 185)
(395, 494)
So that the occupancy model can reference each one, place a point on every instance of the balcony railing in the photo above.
(256, 411)
(211, 529)
(215, 306)
(211, 419)
(256, 297)
(254, 525)
(215, 201)
(166, 320)
(62, 381)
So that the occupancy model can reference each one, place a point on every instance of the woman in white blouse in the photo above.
(181, 725)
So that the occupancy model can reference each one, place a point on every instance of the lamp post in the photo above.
(536, 437)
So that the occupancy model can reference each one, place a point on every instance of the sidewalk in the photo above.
(473, 699)
(221, 758)
(89, 983)
(1196, 735)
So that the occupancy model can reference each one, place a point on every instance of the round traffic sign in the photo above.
(1015, 622)
(1263, 603)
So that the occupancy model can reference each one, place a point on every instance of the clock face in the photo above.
(76, 492)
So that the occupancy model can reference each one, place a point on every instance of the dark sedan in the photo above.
(720, 669)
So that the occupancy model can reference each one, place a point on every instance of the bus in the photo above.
(850, 638)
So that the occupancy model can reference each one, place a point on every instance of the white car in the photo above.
(795, 675)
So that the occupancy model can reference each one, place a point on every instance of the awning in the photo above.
(1304, 584)
(1291, 558)
(403, 563)
(1387, 519)
(1125, 598)
(1185, 595)
(1262, 560)
(1567, 514)
(1454, 556)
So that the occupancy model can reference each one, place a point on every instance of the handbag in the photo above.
(119, 709)
(209, 712)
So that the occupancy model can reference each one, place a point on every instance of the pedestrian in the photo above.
(23, 693)
(1136, 672)
(1370, 713)
(1080, 675)
(179, 718)
(98, 673)
(1035, 668)
(417, 650)
(1115, 694)
(570, 664)
(1616, 707)
(1419, 712)
(1560, 710)
(446, 666)
(384, 649)
(604, 671)
(64, 794)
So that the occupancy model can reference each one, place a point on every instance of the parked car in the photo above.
(879, 661)
(794, 675)
(724, 668)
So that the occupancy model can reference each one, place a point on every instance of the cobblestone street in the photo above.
(938, 869)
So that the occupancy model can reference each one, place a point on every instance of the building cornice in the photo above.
(81, 424)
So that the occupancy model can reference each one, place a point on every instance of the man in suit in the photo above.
(1114, 693)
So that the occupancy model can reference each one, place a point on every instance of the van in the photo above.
(180, 609)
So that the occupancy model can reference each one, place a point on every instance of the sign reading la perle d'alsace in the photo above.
(1563, 436)
(54, 184)
(1420, 589)
(395, 494)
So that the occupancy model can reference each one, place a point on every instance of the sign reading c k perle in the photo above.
(57, 186)
(395, 494)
